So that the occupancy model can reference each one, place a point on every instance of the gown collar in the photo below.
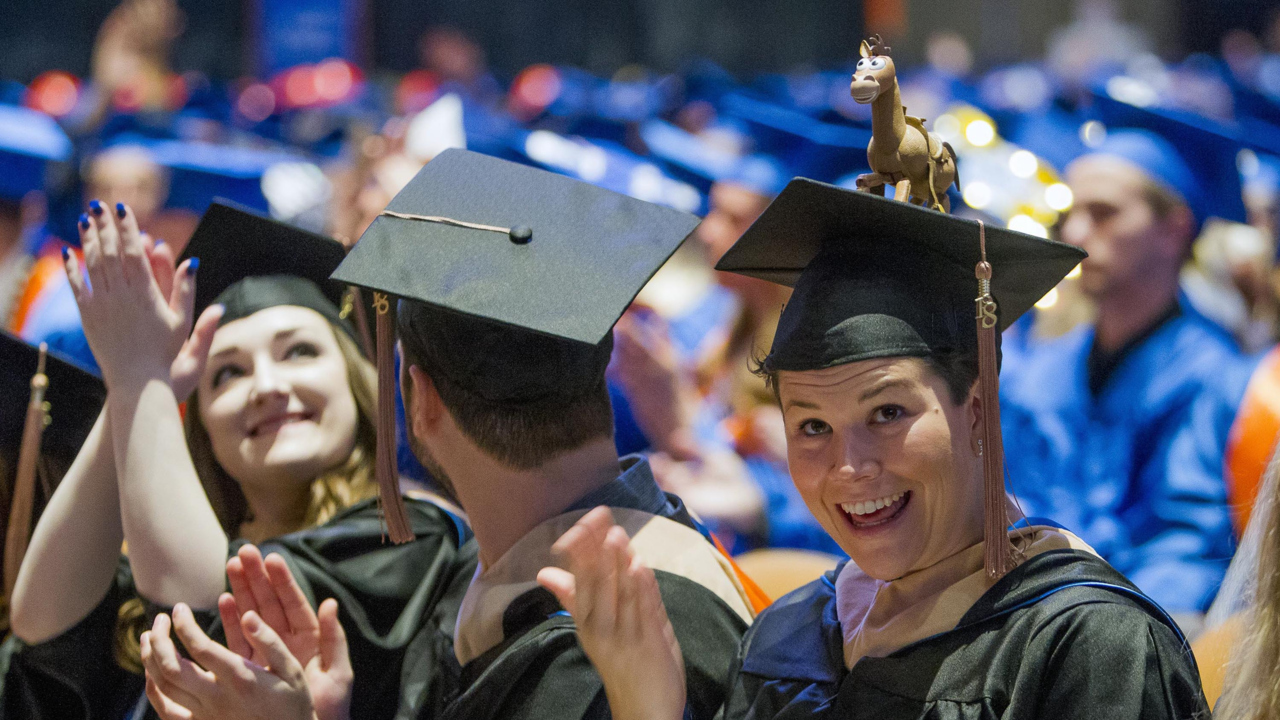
(878, 618)
(668, 541)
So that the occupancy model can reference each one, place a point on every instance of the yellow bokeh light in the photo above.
(1023, 163)
(1027, 224)
(1075, 272)
(1049, 300)
(1059, 197)
(977, 195)
(979, 133)
(947, 126)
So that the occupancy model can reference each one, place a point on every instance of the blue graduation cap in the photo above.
(605, 165)
(706, 81)
(823, 96)
(812, 148)
(199, 172)
(1051, 133)
(693, 160)
(1208, 150)
(32, 147)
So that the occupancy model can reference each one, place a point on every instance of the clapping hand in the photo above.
(136, 307)
(282, 660)
(621, 622)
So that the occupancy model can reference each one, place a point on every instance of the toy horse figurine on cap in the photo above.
(917, 163)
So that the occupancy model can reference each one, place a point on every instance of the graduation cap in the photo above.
(249, 263)
(31, 144)
(696, 161)
(876, 278)
(510, 280)
(1206, 147)
(606, 165)
(74, 398)
(48, 410)
(809, 146)
(200, 171)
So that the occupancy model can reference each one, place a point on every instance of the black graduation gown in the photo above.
(541, 673)
(1063, 636)
(389, 597)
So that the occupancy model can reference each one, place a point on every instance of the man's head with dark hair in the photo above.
(521, 397)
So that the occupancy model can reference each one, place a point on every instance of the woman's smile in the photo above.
(875, 515)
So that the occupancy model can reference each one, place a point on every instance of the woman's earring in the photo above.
(979, 447)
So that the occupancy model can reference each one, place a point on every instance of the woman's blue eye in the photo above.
(814, 427)
(887, 414)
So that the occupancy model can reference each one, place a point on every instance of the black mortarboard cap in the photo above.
(510, 277)
(562, 260)
(879, 278)
(75, 398)
(249, 263)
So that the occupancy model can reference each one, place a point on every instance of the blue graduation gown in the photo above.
(1136, 471)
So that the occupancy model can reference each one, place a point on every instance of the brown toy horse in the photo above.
(918, 165)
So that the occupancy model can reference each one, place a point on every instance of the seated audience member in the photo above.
(1118, 429)
(506, 404)
(276, 447)
(714, 430)
(946, 608)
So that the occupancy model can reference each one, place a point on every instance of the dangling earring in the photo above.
(979, 447)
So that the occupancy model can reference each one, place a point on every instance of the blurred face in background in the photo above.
(1130, 243)
(127, 174)
(733, 209)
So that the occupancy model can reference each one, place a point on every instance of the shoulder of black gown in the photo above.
(390, 597)
(73, 676)
(1055, 580)
(791, 661)
(540, 671)
(1063, 635)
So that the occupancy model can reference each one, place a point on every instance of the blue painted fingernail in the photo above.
(84, 221)
(195, 265)
(159, 244)
(96, 207)
(66, 253)
(120, 210)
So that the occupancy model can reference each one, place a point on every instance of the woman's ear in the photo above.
(975, 413)
(424, 409)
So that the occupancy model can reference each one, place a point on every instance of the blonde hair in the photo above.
(331, 492)
(1252, 689)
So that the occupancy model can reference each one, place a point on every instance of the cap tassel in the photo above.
(998, 558)
(393, 511)
(18, 533)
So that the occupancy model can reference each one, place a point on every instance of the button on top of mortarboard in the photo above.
(520, 234)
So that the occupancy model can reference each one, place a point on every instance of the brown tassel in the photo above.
(362, 323)
(394, 514)
(998, 559)
(18, 533)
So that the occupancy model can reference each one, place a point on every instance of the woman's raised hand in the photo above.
(621, 622)
(136, 331)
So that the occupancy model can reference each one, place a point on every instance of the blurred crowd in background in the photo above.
(326, 144)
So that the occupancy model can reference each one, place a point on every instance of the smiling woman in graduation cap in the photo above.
(953, 605)
(277, 449)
